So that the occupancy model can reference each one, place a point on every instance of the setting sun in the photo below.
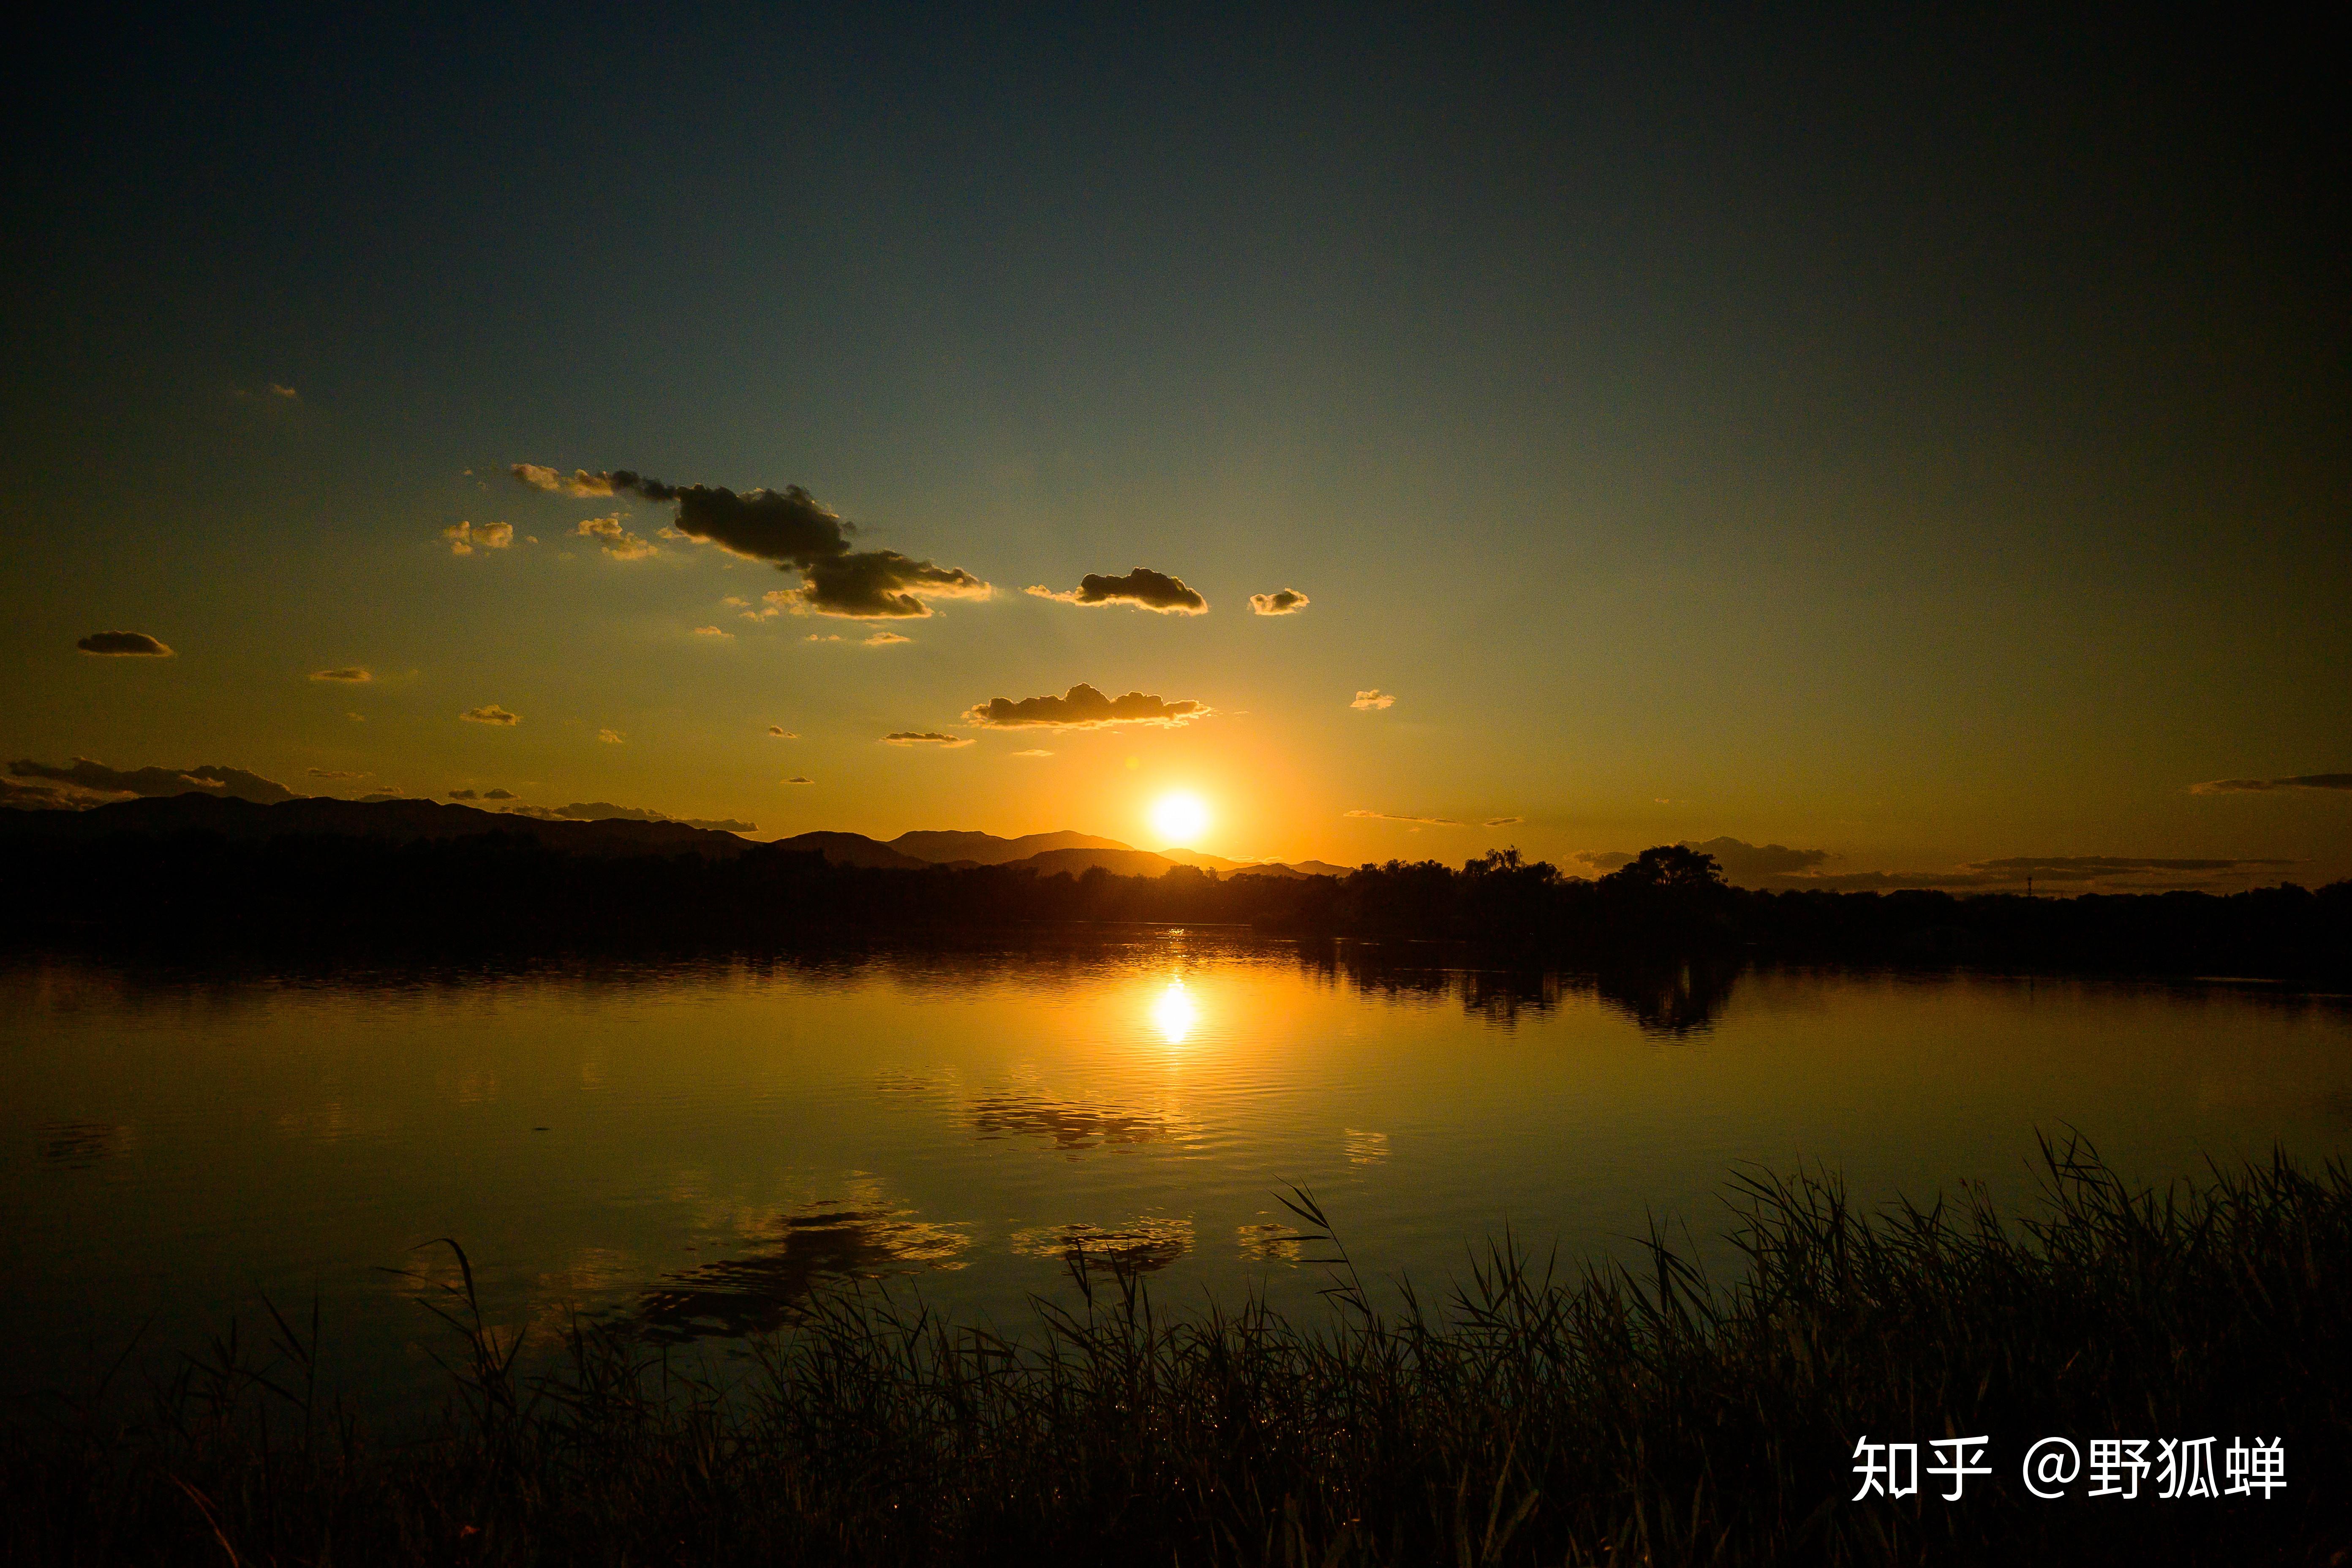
(1180, 819)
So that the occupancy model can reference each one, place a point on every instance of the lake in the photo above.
(696, 1143)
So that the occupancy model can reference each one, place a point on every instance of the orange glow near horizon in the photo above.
(1179, 818)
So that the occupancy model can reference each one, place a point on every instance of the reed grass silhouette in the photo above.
(1531, 1416)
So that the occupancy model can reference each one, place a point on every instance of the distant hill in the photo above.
(943, 848)
(852, 849)
(407, 821)
(395, 821)
(1118, 862)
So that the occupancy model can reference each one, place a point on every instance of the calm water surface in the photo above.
(696, 1143)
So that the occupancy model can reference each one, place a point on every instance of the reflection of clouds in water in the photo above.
(1365, 1148)
(330, 1122)
(821, 1243)
(592, 1278)
(1071, 1127)
(1270, 1242)
(476, 1086)
(78, 1145)
(1146, 1244)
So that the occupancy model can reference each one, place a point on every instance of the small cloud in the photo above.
(1286, 602)
(288, 392)
(352, 674)
(926, 738)
(618, 541)
(823, 636)
(337, 773)
(610, 737)
(490, 714)
(1501, 821)
(2252, 787)
(1374, 698)
(1393, 816)
(1033, 751)
(797, 779)
(781, 733)
(581, 483)
(124, 645)
(463, 795)
(734, 601)
(465, 537)
(497, 795)
(713, 632)
(884, 639)
(1142, 587)
(356, 718)
(1084, 707)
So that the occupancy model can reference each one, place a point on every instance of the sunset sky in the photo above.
(1919, 445)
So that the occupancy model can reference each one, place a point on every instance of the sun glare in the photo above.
(1180, 819)
(1174, 1013)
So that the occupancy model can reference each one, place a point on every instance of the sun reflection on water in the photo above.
(1174, 1013)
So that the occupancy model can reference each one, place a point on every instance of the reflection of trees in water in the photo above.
(1147, 1244)
(1432, 972)
(1009, 1115)
(824, 1243)
(78, 1145)
(1669, 1000)
(1666, 999)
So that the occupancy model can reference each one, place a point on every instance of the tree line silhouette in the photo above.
(509, 891)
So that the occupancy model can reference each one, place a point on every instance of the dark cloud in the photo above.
(2248, 786)
(1284, 602)
(1745, 863)
(1084, 707)
(1142, 587)
(791, 529)
(873, 584)
(1896, 881)
(350, 674)
(798, 779)
(1501, 821)
(336, 774)
(16, 796)
(210, 779)
(925, 738)
(490, 714)
(1607, 859)
(124, 645)
(1393, 817)
(2096, 868)
(497, 795)
(463, 795)
(605, 811)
